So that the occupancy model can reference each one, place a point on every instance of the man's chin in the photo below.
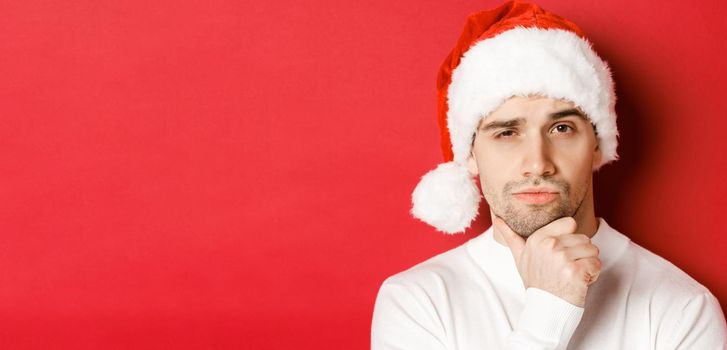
(526, 222)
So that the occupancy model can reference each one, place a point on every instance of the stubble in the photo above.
(523, 218)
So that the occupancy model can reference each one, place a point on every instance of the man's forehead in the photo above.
(537, 97)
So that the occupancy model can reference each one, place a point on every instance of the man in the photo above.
(526, 106)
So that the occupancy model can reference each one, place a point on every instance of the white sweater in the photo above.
(472, 297)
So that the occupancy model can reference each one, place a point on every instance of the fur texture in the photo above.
(522, 61)
(447, 198)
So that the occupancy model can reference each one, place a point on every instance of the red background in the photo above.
(225, 174)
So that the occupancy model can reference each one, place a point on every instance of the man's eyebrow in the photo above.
(502, 124)
(518, 121)
(567, 113)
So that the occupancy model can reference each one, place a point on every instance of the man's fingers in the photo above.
(593, 278)
(573, 240)
(513, 240)
(581, 251)
(563, 226)
(591, 267)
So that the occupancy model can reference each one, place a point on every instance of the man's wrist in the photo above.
(548, 317)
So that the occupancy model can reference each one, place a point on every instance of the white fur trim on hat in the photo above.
(446, 198)
(522, 61)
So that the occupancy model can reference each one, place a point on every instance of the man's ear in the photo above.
(597, 155)
(472, 165)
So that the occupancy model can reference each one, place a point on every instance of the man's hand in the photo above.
(554, 259)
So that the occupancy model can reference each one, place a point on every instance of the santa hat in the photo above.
(517, 49)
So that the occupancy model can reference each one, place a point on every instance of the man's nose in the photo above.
(537, 158)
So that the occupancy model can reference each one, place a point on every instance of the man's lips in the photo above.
(536, 195)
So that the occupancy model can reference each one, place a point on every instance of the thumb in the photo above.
(513, 240)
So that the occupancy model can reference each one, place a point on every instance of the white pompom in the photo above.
(446, 198)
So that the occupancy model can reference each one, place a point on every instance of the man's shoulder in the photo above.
(676, 303)
(443, 268)
(660, 274)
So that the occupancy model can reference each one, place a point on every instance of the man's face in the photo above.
(534, 156)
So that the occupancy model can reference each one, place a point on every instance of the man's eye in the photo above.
(506, 133)
(562, 128)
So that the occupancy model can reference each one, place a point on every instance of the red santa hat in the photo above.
(517, 49)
